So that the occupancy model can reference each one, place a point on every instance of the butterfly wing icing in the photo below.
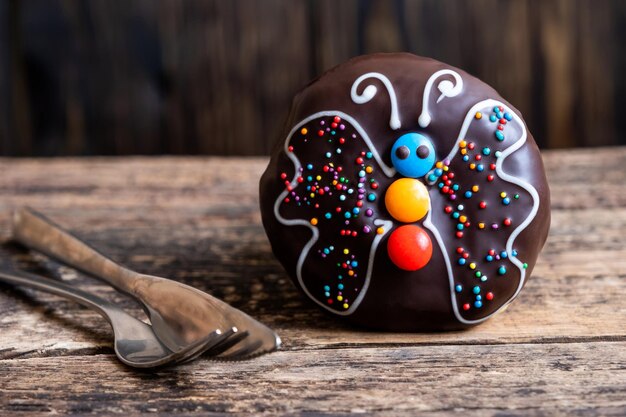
(484, 268)
(336, 199)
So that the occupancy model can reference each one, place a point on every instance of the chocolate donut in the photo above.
(405, 195)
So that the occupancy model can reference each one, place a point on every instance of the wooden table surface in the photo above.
(560, 349)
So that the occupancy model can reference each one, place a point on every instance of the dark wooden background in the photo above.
(217, 77)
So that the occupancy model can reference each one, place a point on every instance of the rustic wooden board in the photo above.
(517, 380)
(558, 349)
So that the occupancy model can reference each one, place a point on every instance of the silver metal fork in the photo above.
(134, 341)
(180, 314)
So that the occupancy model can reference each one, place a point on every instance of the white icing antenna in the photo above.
(370, 91)
(445, 87)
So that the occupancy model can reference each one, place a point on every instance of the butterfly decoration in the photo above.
(461, 202)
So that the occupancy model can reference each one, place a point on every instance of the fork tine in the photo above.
(209, 345)
(199, 346)
(245, 352)
(227, 343)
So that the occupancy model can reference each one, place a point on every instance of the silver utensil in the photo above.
(135, 343)
(180, 314)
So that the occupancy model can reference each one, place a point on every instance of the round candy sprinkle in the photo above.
(413, 155)
(409, 247)
(407, 200)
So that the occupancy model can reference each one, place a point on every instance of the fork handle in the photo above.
(34, 230)
(24, 279)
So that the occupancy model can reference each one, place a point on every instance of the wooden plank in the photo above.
(517, 380)
(618, 22)
(334, 33)
(4, 79)
(558, 51)
(595, 107)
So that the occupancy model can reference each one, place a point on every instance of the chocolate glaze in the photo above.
(395, 299)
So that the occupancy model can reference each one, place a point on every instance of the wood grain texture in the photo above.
(517, 380)
(559, 349)
(217, 77)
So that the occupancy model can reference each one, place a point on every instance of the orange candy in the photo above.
(407, 200)
(409, 247)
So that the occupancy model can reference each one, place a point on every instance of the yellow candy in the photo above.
(313, 221)
(407, 200)
(304, 131)
(479, 115)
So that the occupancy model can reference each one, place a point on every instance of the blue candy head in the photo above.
(413, 155)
